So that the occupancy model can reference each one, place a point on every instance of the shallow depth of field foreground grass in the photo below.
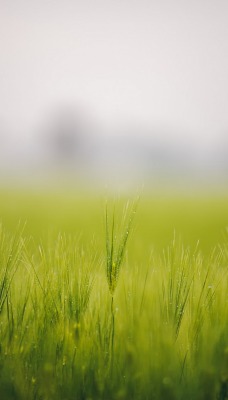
(96, 308)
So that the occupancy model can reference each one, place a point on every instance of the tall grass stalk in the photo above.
(10, 256)
(115, 251)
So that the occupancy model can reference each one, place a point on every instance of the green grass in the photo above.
(89, 312)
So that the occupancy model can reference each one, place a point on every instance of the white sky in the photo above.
(164, 62)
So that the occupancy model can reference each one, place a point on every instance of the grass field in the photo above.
(96, 309)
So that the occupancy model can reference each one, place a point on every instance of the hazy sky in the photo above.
(160, 61)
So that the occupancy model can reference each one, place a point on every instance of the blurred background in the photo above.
(118, 94)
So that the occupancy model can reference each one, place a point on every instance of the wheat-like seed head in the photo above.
(115, 251)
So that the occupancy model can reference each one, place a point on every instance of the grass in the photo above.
(114, 258)
(88, 313)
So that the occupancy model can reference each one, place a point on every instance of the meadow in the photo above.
(112, 299)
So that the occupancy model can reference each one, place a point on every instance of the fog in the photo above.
(110, 91)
